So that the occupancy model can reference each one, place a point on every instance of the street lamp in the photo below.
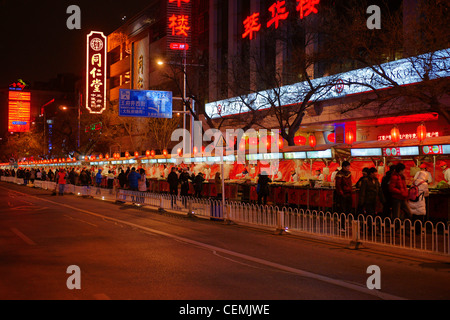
(184, 98)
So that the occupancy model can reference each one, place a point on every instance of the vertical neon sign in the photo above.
(179, 24)
(96, 72)
(19, 111)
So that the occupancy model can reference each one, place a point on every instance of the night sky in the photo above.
(35, 43)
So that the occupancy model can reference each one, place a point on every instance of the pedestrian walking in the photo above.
(61, 181)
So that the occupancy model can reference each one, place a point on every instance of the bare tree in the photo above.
(411, 47)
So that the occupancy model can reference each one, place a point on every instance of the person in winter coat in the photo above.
(133, 179)
(142, 181)
(61, 181)
(218, 184)
(172, 179)
(399, 193)
(387, 205)
(418, 208)
(343, 184)
(370, 193)
(98, 178)
(198, 184)
(122, 179)
(263, 187)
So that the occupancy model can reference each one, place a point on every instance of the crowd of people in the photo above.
(397, 200)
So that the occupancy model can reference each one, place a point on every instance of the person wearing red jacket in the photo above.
(61, 181)
(343, 183)
(399, 192)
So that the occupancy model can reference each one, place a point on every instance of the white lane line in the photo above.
(23, 237)
(303, 273)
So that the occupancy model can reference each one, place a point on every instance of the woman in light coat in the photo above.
(418, 208)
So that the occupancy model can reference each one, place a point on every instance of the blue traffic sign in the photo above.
(145, 103)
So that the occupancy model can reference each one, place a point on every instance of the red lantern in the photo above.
(127, 154)
(152, 153)
(331, 137)
(100, 156)
(179, 152)
(195, 150)
(165, 153)
(107, 156)
(280, 143)
(312, 141)
(395, 134)
(299, 140)
(136, 154)
(349, 137)
(147, 153)
(421, 132)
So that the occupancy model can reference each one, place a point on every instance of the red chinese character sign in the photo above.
(251, 25)
(96, 72)
(278, 12)
(306, 7)
(179, 25)
(19, 106)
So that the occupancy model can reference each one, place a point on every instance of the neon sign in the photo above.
(407, 136)
(96, 72)
(17, 86)
(278, 12)
(19, 111)
(179, 15)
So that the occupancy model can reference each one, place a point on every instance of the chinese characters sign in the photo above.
(19, 111)
(179, 24)
(96, 73)
(407, 136)
(145, 104)
(278, 12)
(141, 64)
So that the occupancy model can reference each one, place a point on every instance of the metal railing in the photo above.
(407, 234)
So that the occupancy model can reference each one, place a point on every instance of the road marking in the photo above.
(72, 218)
(303, 273)
(101, 296)
(23, 237)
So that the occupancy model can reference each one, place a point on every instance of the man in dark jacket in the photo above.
(172, 179)
(263, 187)
(344, 189)
(198, 184)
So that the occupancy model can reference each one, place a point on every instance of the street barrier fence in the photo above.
(416, 235)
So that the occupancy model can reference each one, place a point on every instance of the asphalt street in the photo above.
(125, 252)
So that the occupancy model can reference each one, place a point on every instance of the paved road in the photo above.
(126, 252)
